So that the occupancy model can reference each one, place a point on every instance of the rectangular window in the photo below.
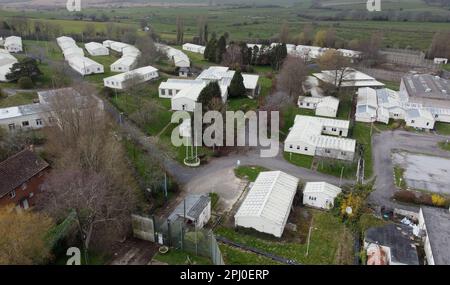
(12, 127)
(170, 92)
(333, 129)
(12, 194)
(25, 124)
(24, 186)
(327, 151)
(38, 122)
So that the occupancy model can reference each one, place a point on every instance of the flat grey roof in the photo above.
(195, 204)
(437, 222)
(427, 86)
(397, 238)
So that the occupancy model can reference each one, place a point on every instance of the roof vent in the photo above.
(428, 90)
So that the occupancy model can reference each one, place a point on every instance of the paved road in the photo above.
(383, 145)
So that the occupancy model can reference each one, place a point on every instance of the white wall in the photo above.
(318, 200)
(326, 111)
(421, 123)
(300, 148)
(183, 104)
(259, 224)
(31, 119)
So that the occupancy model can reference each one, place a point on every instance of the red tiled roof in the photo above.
(18, 169)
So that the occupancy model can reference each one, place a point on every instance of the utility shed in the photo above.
(320, 195)
(195, 209)
(435, 226)
(268, 203)
(395, 241)
(13, 44)
(96, 49)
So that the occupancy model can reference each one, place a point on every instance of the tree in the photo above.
(180, 31)
(284, 33)
(277, 55)
(237, 87)
(211, 50)
(439, 46)
(338, 65)
(320, 38)
(291, 78)
(330, 38)
(27, 67)
(307, 36)
(89, 31)
(202, 30)
(233, 56)
(23, 237)
(211, 97)
(150, 54)
(221, 49)
(90, 173)
(371, 49)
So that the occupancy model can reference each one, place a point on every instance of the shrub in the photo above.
(438, 200)
(405, 196)
(25, 82)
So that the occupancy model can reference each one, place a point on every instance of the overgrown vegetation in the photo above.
(249, 172)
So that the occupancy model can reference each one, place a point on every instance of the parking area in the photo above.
(423, 172)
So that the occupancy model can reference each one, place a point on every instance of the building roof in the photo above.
(125, 60)
(329, 102)
(178, 84)
(398, 239)
(92, 46)
(18, 169)
(13, 40)
(124, 76)
(44, 96)
(419, 113)
(437, 222)
(194, 205)
(352, 78)
(367, 96)
(322, 187)
(250, 81)
(427, 86)
(309, 129)
(82, 62)
(270, 197)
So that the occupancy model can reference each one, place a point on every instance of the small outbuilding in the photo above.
(320, 195)
(420, 119)
(124, 64)
(268, 203)
(194, 210)
(85, 66)
(13, 44)
(194, 48)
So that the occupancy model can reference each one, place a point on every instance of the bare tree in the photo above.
(338, 65)
(150, 54)
(233, 56)
(307, 36)
(292, 76)
(284, 33)
(440, 45)
(180, 30)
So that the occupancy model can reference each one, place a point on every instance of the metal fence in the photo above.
(179, 235)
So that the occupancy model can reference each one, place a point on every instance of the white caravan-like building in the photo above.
(13, 44)
(316, 136)
(85, 66)
(420, 119)
(184, 93)
(6, 63)
(96, 49)
(351, 78)
(73, 52)
(118, 46)
(124, 64)
(194, 48)
(324, 106)
(64, 39)
(140, 75)
(320, 195)
(268, 203)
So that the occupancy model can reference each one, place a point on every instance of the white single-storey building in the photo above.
(420, 119)
(317, 136)
(124, 64)
(118, 46)
(320, 195)
(13, 44)
(440, 60)
(96, 49)
(107, 43)
(131, 51)
(186, 98)
(268, 203)
(194, 48)
(351, 78)
(85, 66)
(121, 80)
(435, 226)
(6, 62)
(171, 87)
(325, 106)
(73, 52)
(366, 106)
(64, 39)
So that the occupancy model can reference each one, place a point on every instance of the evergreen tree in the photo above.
(211, 50)
(247, 54)
(27, 67)
(211, 97)
(277, 55)
(221, 49)
(237, 87)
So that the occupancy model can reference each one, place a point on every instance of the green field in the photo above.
(179, 257)
(248, 172)
(18, 99)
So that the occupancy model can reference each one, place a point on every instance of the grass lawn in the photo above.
(336, 167)
(18, 99)
(179, 257)
(300, 160)
(398, 175)
(288, 118)
(443, 128)
(444, 146)
(446, 67)
(249, 172)
(361, 133)
(242, 104)
(391, 85)
(235, 256)
(266, 86)
(330, 241)
(344, 109)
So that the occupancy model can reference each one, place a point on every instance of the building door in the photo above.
(24, 204)
(340, 133)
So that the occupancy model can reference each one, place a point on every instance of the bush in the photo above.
(438, 200)
(25, 83)
(405, 196)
